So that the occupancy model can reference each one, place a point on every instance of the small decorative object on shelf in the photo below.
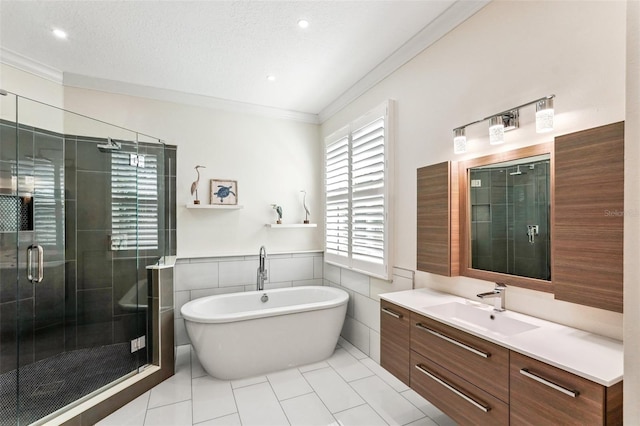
(278, 210)
(224, 191)
(306, 209)
(194, 185)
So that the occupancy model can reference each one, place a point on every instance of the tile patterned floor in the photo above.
(347, 389)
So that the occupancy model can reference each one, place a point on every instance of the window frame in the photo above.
(383, 270)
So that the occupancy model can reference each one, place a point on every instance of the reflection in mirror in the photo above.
(509, 206)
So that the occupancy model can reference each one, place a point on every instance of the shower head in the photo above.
(111, 145)
(517, 172)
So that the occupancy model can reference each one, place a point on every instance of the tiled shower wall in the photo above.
(199, 277)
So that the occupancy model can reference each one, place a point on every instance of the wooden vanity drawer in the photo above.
(476, 360)
(395, 323)
(459, 399)
(543, 394)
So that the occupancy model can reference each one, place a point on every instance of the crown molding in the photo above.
(29, 65)
(39, 69)
(455, 15)
(167, 95)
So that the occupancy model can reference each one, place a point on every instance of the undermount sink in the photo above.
(480, 318)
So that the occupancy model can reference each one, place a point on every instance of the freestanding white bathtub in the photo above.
(238, 335)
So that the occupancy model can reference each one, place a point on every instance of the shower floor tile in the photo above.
(52, 383)
(327, 393)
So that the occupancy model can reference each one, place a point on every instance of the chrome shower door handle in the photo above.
(532, 232)
(40, 275)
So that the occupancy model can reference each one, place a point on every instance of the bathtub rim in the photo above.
(341, 298)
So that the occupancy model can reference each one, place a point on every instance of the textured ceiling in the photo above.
(219, 49)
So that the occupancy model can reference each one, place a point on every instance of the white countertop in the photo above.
(588, 355)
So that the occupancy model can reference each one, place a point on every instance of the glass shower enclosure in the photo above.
(82, 214)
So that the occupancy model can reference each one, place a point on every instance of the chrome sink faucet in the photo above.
(262, 271)
(497, 295)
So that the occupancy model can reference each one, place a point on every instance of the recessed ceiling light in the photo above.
(59, 33)
(303, 23)
(271, 77)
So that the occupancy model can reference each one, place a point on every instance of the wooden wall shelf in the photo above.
(291, 225)
(214, 206)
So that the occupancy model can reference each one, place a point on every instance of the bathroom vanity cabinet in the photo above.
(437, 219)
(395, 323)
(589, 217)
(543, 394)
(475, 381)
(465, 376)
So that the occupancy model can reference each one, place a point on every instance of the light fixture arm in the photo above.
(509, 119)
(505, 112)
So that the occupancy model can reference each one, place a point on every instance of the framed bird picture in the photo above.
(224, 191)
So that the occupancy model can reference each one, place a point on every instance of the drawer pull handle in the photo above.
(392, 313)
(454, 341)
(547, 382)
(461, 394)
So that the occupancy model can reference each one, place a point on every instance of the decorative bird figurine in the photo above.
(306, 209)
(194, 185)
(278, 210)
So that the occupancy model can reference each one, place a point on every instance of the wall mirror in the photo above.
(505, 212)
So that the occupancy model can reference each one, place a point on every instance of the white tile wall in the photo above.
(292, 269)
(362, 326)
(196, 275)
(239, 272)
(332, 273)
(355, 281)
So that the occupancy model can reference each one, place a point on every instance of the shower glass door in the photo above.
(75, 245)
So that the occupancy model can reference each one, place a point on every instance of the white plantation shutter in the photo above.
(337, 197)
(357, 179)
(134, 203)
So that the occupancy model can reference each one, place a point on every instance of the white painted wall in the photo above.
(32, 87)
(508, 54)
(272, 160)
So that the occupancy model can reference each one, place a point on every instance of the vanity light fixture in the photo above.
(459, 141)
(500, 123)
(508, 120)
(496, 130)
(544, 115)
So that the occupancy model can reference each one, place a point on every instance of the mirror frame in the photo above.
(465, 216)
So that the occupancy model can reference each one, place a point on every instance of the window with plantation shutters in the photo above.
(134, 203)
(337, 202)
(357, 182)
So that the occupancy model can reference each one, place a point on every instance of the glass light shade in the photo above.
(459, 141)
(544, 115)
(59, 33)
(496, 130)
